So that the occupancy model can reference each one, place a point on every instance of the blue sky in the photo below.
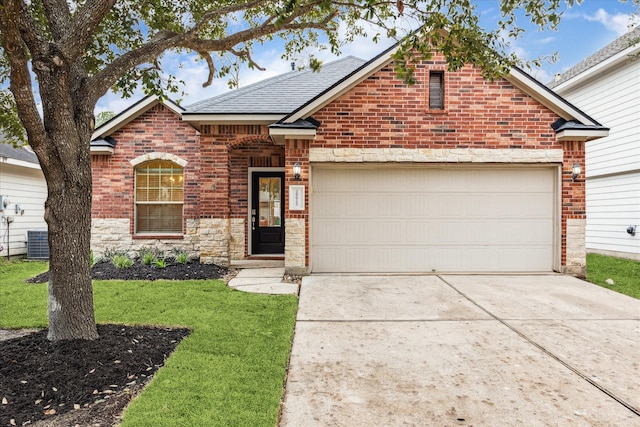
(583, 30)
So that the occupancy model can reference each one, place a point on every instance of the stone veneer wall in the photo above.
(294, 247)
(215, 234)
(114, 234)
(576, 263)
(238, 238)
(423, 155)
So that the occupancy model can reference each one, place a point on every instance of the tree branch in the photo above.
(83, 26)
(17, 55)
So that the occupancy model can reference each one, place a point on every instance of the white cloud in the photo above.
(617, 23)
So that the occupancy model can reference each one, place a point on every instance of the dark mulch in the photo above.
(79, 382)
(89, 383)
(193, 270)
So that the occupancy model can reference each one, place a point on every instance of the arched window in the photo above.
(159, 197)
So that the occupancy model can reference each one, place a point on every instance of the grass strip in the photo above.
(625, 273)
(229, 372)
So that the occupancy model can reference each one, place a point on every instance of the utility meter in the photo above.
(4, 202)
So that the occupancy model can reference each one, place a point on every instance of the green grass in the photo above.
(229, 371)
(625, 273)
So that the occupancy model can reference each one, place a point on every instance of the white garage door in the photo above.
(426, 219)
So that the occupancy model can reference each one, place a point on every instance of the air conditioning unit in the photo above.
(38, 244)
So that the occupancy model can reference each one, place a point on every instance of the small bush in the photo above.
(160, 263)
(122, 261)
(148, 258)
(182, 257)
(147, 251)
(92, 258)
(110, 253)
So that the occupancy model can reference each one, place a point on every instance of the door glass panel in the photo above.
(269, 202)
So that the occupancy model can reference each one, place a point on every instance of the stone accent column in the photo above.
(574, 256)
(296, 247)
(237, 243)
(214, 241)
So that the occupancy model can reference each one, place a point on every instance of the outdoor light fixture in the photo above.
(296, 171)
(575, 171)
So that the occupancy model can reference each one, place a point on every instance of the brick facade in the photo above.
(379, 120)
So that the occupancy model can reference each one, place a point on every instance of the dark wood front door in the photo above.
(267, 213)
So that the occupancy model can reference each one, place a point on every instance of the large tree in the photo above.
(60, 56)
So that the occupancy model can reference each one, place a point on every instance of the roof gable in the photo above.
(133, 112)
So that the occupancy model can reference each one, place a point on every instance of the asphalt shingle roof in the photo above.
(618, 45)
(20, 153)
(280, 94)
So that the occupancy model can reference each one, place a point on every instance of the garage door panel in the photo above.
(423, 219)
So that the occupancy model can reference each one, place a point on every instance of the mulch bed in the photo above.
(88, 383)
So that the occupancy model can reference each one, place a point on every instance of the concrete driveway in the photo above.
(450, 350)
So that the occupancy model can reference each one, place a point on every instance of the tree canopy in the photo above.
(59, 57)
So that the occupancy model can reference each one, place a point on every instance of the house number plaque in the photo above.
(296, 197)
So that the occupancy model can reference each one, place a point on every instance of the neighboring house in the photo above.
(23, 191)
(351, 170)
(607, 84)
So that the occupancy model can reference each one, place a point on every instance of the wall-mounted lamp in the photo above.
(297, 168)
(631, 230)
(575, 171)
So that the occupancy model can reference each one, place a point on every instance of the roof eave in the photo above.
(581, 134)
(279, 135)
(102, 150)
(20, 163)
(237, 118)
(601, 67)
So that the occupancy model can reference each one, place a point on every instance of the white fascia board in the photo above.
(580, 135)
(132, 113)
(102, 151)
(215, 119)
(614, 61)
(21, 163)
(289, 133)
(547, 98)
(334, 92)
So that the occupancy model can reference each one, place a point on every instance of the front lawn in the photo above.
(625, 273)
(229, 371)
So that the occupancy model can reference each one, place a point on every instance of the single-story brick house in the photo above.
(351, 170)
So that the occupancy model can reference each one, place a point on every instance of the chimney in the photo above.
(293, 66)
(557, 77)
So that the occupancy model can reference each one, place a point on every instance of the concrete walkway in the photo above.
(263, 281)
(452, 350)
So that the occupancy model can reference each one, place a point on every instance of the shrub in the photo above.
(122, 261)
(160, 263)
(182, 257)
(148, 251)
(110, 253)
(92, 258)
(148, 258)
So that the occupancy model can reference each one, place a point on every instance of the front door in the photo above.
(267, 213)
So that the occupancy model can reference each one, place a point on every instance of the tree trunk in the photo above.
(68, 215)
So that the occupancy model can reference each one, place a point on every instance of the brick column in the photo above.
(215, 226)
(574, 217)
(296, 248)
